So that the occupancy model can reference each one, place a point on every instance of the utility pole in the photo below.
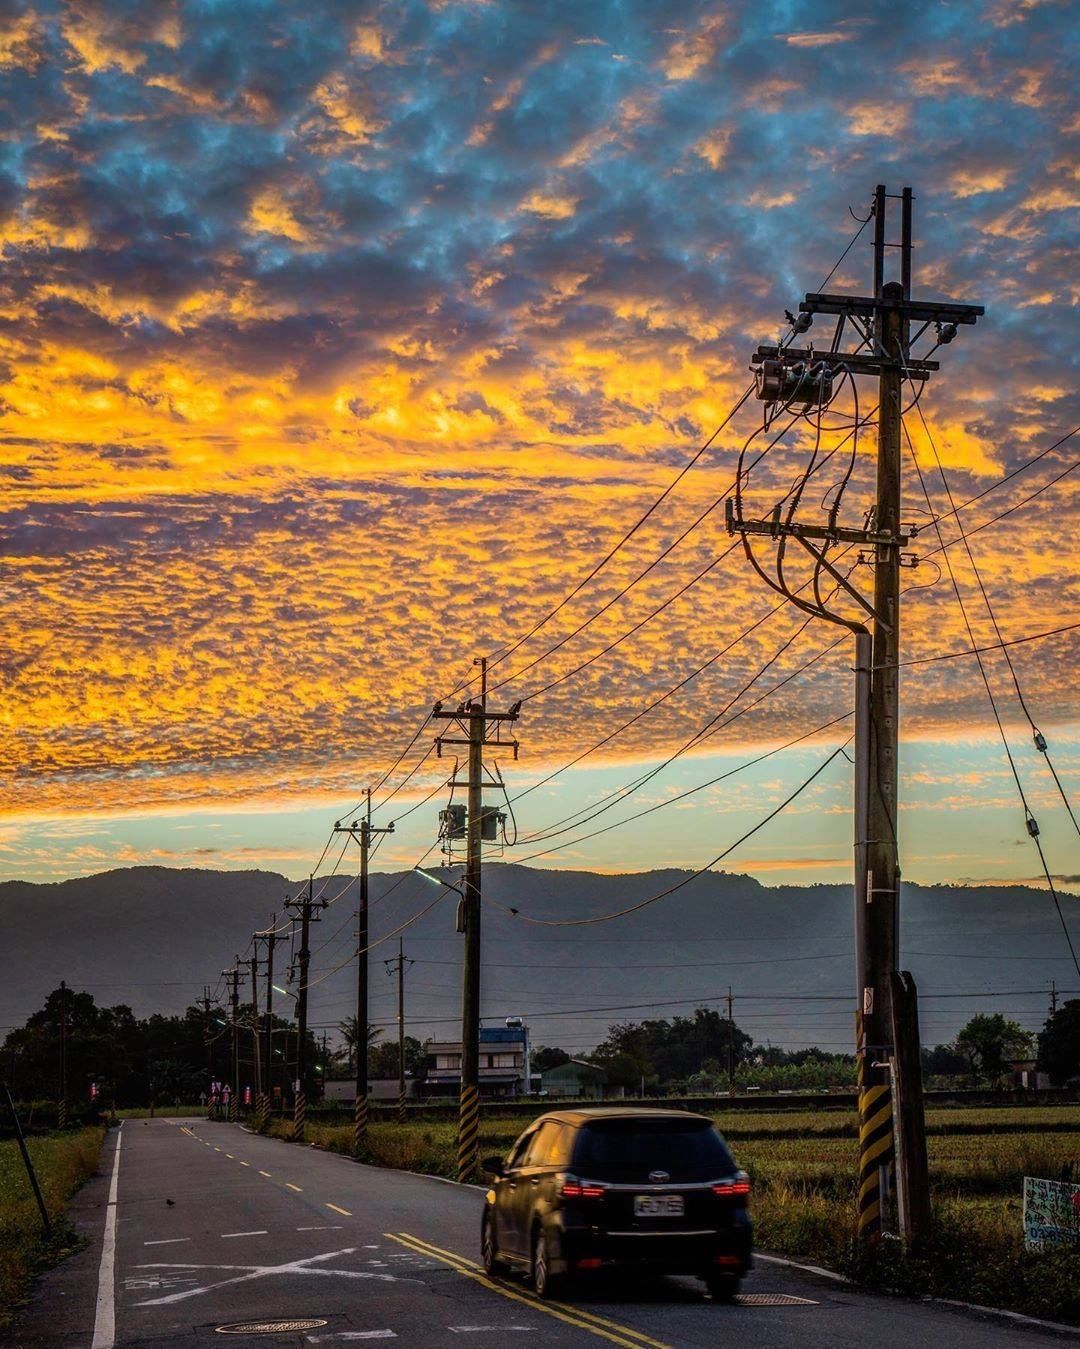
(362, 833)
(1053, 997)
(306, 906)
(398, 964)
(233, 976)
(801, 379)
(472, 721)
(255, 1058)
(270, 938)
(205, 1004)
(62, 1104)
(730, 1044)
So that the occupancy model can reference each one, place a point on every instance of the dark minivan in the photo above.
(586, 1189)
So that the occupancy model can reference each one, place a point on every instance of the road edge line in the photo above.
(105, 1307)
(807, 1269)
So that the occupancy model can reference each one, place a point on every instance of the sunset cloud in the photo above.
(336, 346)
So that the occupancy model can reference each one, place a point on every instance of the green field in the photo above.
(803, 1166)
(62, 1162)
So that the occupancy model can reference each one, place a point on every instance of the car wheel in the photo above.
(489, 1248)
(722, 1287)
(545, 1284)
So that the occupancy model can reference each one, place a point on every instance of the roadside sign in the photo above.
(1051, 1213)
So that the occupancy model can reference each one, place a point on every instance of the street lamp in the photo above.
(438, 880)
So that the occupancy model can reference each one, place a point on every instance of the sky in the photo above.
(339, 342)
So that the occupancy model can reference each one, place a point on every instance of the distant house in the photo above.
(502, 1063)
(579, 1080)
(1025, 1074)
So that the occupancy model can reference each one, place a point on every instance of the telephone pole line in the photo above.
(473, 722)
(730, 1043)
(256, 1065)
(306, 907)
(362, 832)
(399, 963)
(887, 1026)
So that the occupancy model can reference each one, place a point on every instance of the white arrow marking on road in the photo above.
(305, 1266)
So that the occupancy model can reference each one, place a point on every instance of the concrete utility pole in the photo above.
(270, 938)
(472, 721)
(362, 832)
(398, 963)
(887, 1028)
(62, 1104)
(233, 976)
(255, 1057)
(205, 1002)
(306, 906)
(730, 1043)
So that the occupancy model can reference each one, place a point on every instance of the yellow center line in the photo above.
(531, 1297)
(570, 1315)
(267, 1174)
(290, 1186)
(343, 1211)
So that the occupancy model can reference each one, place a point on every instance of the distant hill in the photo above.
(151, 937)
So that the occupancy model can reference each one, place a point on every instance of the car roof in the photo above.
(589, 1114)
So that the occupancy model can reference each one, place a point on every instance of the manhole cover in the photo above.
(269, 1327)
(773, 1300)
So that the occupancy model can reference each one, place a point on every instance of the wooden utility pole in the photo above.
(398, 963)
(306, 906)
(473, 722)
(362, 832)
(803, 378)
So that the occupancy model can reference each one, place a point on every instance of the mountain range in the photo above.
(152, 937)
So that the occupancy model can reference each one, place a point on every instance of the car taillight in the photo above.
(572, 1188)
(732, 1189)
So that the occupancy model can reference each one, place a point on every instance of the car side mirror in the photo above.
(494, 1165)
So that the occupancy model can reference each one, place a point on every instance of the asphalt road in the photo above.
(211, 1226)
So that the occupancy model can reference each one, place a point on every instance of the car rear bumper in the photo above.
(683, 1252)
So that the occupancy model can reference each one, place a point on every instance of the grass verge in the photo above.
(62, 1162)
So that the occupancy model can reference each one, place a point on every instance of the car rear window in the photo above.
(627, 1150)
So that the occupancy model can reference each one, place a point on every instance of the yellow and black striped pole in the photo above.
(468, 1133)
(299, 1117)
(360, 1122)
(875, 1141)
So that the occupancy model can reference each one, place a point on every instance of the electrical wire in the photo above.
(672, 889)
(1029, 818)
(1038, 737)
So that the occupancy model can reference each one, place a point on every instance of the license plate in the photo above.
(658, 1206)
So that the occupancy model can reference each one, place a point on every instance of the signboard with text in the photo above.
(1051, 1213)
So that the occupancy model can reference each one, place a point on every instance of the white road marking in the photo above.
(305, 1266)
(105, 1311)
(331, 1227)
(477, 1330)
(262, 1232)
(352, 1335)
(166, 1241)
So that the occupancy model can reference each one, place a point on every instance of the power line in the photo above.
(644, 903)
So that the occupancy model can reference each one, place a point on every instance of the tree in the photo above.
(347, 1031)
(990, 1042)
(545, 1058)
(1059, 1044)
